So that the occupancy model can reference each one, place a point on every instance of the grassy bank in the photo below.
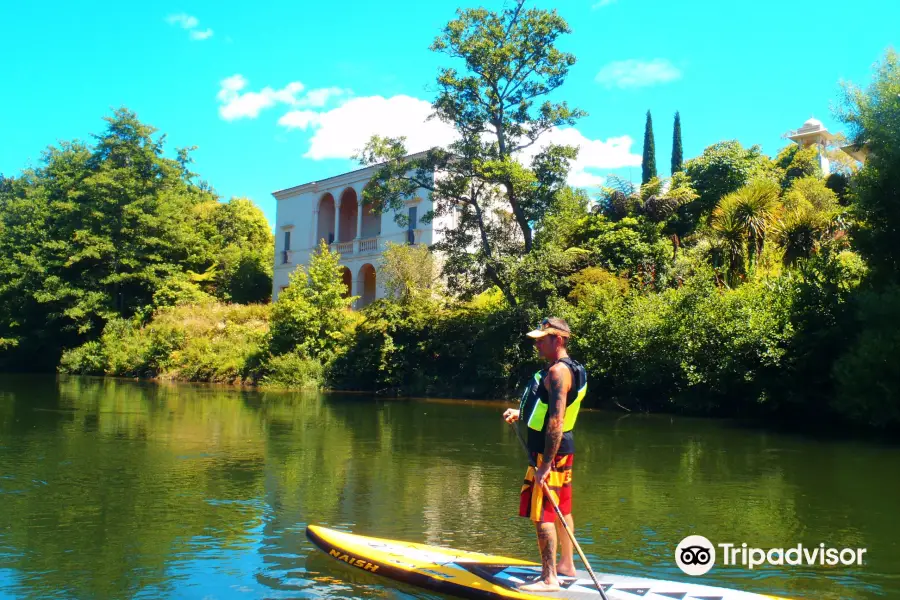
(211, 342)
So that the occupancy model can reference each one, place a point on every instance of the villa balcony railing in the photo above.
(343, 247)
(352, 248)
(368, 245)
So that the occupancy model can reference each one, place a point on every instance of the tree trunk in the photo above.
(520, 218)
(510, 192)
(489, 267)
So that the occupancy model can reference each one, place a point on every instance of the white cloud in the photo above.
(593, 155)
(602, 3)
(637, 73)
(342, 131)
(320, 97)
(201, 35)
(234, 83)
(238, 105)
(184, 20)
(299, 119)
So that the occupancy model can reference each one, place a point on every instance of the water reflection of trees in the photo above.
(117, 479)
(654, 480)
(448, 474)
(139, 477)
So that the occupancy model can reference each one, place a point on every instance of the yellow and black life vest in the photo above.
(534, 406)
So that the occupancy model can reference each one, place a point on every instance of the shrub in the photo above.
(796, 163)
(178, 290)
(312, 316)
(125, 349)
(868, 380)
(291, 371)
(813, 191)
(209, 342)
(87, 359)
(475, 349)
(593, 284)
(214, 342)
(697, 348)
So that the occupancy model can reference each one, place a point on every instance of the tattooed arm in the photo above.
(559, 380)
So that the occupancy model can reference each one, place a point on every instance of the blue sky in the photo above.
(279, 93)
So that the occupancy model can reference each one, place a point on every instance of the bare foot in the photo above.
(566, 570)
(540, 586)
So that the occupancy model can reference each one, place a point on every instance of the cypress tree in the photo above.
(648, 164)
(677, 155)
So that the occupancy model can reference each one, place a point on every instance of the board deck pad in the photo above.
(476, 575)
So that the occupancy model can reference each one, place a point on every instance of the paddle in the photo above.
(560, 516)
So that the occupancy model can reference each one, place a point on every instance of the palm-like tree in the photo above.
(731, 233)
(801, 231)
(753, 209)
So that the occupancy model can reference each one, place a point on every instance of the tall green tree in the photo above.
(312, 316)
(510, 63)
(409, 272)
(868, 387)
(648, 162)
(796, 163)
(91, 234)
(241, 249)
(872, 115)
(677, 152)
(96, 231)
(721, 169)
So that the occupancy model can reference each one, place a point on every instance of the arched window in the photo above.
(325, 226)
(367, 284)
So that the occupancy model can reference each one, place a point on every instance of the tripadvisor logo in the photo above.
(696, 555)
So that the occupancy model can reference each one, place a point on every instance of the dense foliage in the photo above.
(311, 317)
(207, 341)
(733, 288)
(113, 231)
(281, 345)
(742, 285)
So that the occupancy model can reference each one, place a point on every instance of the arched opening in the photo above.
(325, 226)
(347, 221)
(347, 278)
(367, 285)
(371, 223)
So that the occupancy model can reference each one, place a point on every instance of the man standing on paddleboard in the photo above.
(549, 407)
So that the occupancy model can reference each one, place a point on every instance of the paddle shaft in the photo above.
(560, 516)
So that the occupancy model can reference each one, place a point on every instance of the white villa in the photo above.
(330, 209)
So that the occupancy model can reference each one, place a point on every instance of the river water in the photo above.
(119, 489)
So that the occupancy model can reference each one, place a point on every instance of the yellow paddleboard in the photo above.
(475, 575)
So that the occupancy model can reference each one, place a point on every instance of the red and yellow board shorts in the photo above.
(532, 503)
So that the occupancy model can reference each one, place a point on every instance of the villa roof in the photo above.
(336, 180)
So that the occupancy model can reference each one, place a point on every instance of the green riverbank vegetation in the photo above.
(741, 285)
